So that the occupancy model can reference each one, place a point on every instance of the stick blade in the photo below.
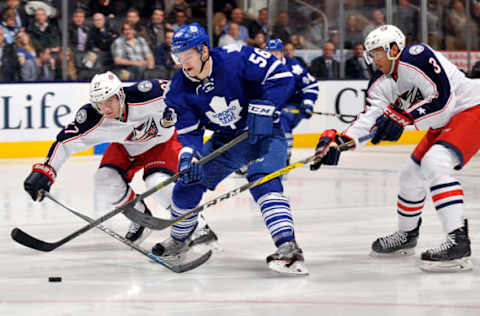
(146, 220)
(27, 240)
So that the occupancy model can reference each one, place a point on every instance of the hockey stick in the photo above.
(159, 223)
(178, 268)
(295, 111)
(17, 234)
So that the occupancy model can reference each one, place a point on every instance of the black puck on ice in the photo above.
(54, 279)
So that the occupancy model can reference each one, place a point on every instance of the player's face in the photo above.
(190, 61)
(277, 53)
(379, 58)
(110, 107)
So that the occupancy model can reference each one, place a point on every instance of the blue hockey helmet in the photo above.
(189, 36)
(274, 44)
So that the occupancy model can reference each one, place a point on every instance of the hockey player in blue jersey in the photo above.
(304, 97)
(228, 90)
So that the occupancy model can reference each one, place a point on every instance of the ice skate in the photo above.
(397, 244)
(453, 255)
(288, 259)
(137, 233)
(170, 248)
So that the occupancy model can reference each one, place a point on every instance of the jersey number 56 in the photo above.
(259, 57)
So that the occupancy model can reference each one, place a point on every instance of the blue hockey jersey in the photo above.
(306, 86)
(220, 101)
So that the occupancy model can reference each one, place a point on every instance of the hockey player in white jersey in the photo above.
(429, 92)
(141, 135)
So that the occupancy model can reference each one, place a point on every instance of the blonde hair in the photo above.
(216, 22)
(28, 46)
(71, 69)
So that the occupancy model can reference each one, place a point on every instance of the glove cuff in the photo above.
(46, 170)
(400, 117)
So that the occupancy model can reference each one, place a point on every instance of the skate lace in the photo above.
(394, 240)
(447, 244)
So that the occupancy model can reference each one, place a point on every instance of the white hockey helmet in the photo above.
(103, 86)
(384, 36)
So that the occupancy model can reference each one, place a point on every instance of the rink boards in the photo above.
(31, 115)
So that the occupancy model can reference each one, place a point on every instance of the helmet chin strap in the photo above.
(394, 61)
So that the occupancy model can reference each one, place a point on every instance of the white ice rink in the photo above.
(338, 213)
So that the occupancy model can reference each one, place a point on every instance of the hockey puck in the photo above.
(54, 279)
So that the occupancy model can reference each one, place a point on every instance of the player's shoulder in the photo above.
(294, 66)
(177, 88)
(377, 77)
(416, 54)
(145, 90)
(87, 115)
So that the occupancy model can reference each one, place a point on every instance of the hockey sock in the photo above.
(277, 217)
(448, 200)
(183, 229)
(409, 213)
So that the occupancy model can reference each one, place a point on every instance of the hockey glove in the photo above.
(188, 164)
(41, 178)
(169, 118)
(327, 150)
(260, 119)
(306, 108)
(390, 125)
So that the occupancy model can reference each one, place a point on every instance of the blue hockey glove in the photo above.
(306, 108)
(169, 118)
(390, 125)
(260, 119)
(41, 178)
(187, 163)
(328, 151)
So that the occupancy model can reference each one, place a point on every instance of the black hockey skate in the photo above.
(137, 233)
(453, 254)
(397, 244)
(288, 259)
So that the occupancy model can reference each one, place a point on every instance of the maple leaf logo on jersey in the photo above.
(297, 70)
(143, 132)
(224, 115)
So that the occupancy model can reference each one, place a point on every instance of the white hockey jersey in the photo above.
(427, 85)
(138, 129)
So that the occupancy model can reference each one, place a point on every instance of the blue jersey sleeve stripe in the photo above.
(188, 129)
(280, 75)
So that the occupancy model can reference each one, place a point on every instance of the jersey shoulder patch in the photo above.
(416, 54)
(143, 91)
(86, 118)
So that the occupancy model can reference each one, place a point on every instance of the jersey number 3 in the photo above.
(436, 67)
(259, 57)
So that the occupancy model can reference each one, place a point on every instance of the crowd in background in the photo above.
(133, 38)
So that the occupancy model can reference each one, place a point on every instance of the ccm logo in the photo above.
(261, 109)
(396, 117)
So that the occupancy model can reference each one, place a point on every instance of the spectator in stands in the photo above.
(156, 29)
(78, 32)
(178, 5)
(219, 22)
(353, 34)
(131, 54)
(133, 18)
(378, 20)
(475, 73)
(224, 6)
(24, 46)
(21, 16)
(180, 19)
(8, 60)
(259, 25)
(406, 16)
(298, 41)
(231, 37)
(71, 70)
(260, 40)
(456, 27)
(107, 7)
(237, 17)
(356, 67)
(9, 26)
(281, 29)
(42, 68)
(101, 37)
(43, 33)
(315, 32)
(325, 67)
(289, 51)
(163, 57)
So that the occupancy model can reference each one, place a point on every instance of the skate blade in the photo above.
(146, 232)
(298, 268)
(398, 253)
(458, 265)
